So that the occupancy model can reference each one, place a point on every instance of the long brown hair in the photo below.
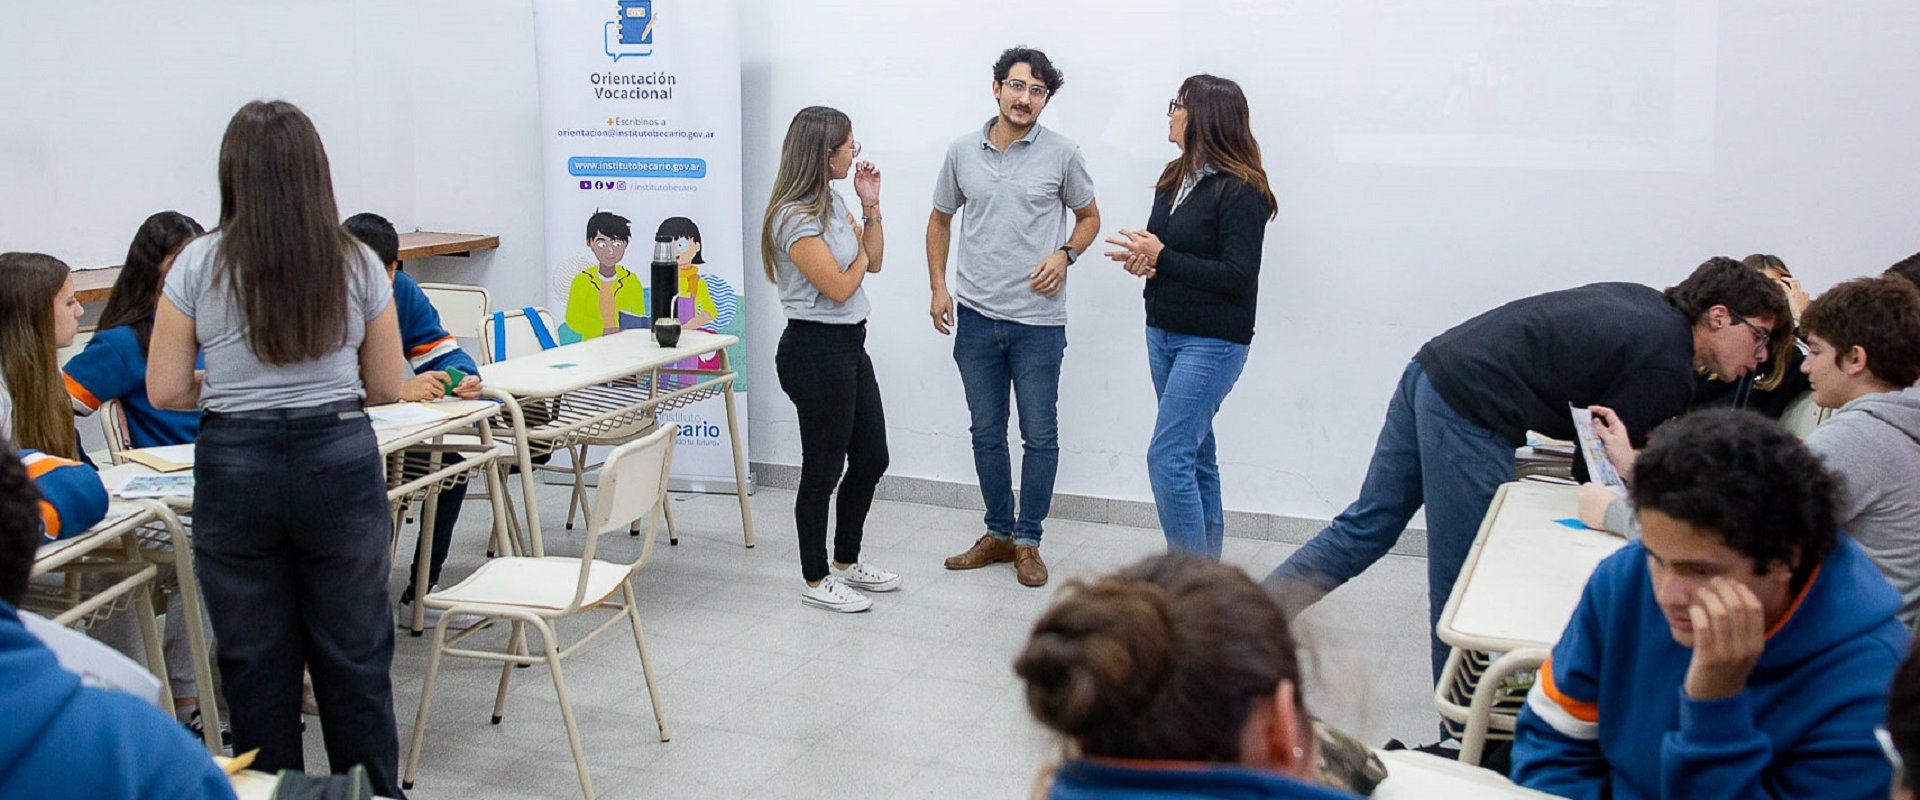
(1161, 661)
(1771, 266)
(800, 187)
(1219, 132)
(136, 293)
(282, 251)
(42, 414)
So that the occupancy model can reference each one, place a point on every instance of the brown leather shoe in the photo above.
(988, 550)
(1028, 567)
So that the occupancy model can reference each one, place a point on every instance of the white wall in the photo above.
(1432, 160)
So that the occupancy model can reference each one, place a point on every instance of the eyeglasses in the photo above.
(1033, 90)
(1174, 105)
(1763, 334)
(856, 149)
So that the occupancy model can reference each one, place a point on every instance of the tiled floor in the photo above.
(768, 698)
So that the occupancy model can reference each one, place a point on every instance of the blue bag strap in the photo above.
(499, 335)
(540, 332)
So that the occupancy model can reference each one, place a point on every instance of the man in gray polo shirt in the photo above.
(1019, 183)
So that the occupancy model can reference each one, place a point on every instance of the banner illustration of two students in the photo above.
(640, 111)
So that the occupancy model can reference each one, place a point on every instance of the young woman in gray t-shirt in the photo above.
(290, 509)
(818, 255)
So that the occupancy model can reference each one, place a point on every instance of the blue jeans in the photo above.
(1427, 454)
(1191, 376)
(994, 356)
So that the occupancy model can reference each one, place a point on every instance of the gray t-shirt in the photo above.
(239, 381)
(799, 298)
(1019, 206)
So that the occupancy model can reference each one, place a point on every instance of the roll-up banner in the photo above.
(640, 119)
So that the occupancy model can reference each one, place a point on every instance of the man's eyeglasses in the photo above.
(856, 149)
(1174, 105)
(1033, 90)
(1764, 335)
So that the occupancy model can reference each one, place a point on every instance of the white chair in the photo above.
(113, 423)
(521, 339)
(1803, 415)
(79, 343)
(535, 591)
(463, 309)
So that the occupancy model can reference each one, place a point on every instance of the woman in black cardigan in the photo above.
(1200, 255)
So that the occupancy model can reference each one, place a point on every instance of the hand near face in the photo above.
(1729, 634)
(1797, 298)
(866, 183)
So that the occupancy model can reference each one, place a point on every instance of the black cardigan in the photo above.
(1208, 276)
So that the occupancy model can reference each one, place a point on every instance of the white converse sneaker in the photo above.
(834, 595)
(868, 578)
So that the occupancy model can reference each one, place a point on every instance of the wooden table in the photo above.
(609, 382)
(92, 285)
(1518, 588)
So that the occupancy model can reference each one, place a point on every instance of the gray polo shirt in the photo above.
(237, 380)
(799, 298)
(1019, 208)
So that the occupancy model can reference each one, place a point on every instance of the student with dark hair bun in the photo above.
(1176, 678)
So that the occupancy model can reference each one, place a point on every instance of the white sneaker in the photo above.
(868, 578)
(460, 622)
(834, 595)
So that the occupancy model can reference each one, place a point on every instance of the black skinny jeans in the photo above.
(825, 371)
(290, 527)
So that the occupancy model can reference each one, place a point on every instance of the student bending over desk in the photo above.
(1741, 649)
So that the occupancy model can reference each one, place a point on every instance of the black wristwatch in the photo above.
(1071, 256)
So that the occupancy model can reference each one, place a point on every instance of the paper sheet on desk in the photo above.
(156, 486)
(404, 415)
(171, 458)
(1599, 469)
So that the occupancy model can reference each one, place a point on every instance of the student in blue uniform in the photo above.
(72, 499)
(1741, 648)
(113, 366)
(64, 738)
(434, 354)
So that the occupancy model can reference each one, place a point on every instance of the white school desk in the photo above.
(126, 543)
(1519, 586)
(611, 382)
(1412, 775)
(448, 462)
